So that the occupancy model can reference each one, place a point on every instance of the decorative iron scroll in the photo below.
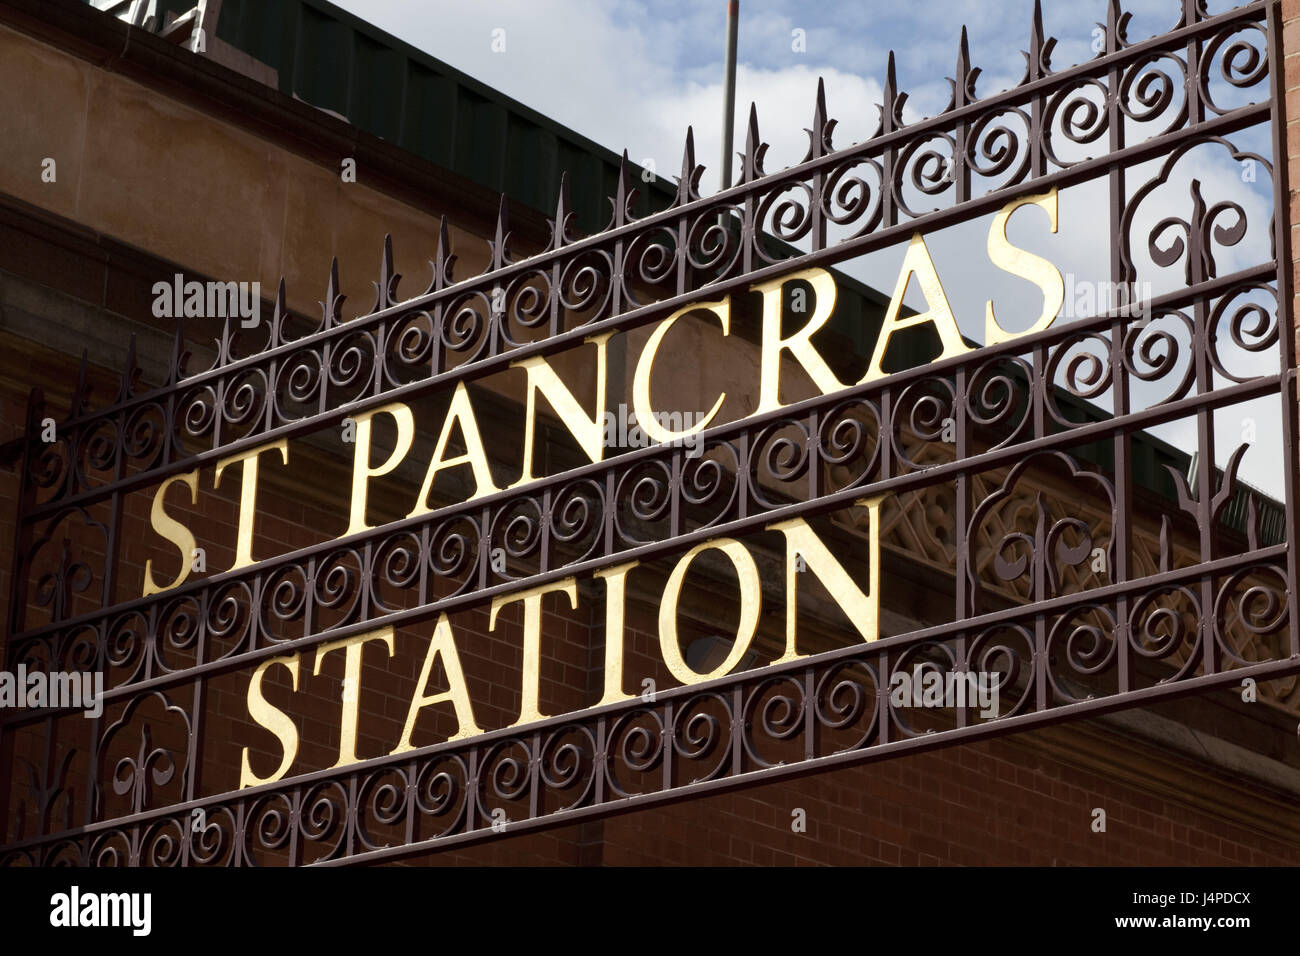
(1063, 649)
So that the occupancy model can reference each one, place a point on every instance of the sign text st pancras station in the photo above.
(802, 545)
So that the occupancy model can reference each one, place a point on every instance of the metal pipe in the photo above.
(729, 91)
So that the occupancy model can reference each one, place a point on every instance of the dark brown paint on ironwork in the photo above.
(683, 254)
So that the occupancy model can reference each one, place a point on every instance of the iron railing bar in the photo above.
(1107, 427)
(669, 697)
(316, 422)
(855, 757)
(455, 602)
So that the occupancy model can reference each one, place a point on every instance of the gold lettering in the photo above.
(248, 496)
(590, 433)
(1026, 265)
(457, 693)
(361, 470)
(615, 579)
(798, 345)
(351, 685)
(173, 531)
(273, 719)
(530, 687)
(641, 403)
(862, 609)
(463, 413)
(750, 605)
(917, 261)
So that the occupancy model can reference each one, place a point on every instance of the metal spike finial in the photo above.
(279, 314)
(962, 82)
(689, 181)
(498, 244)
(1116, 27)
(819, 136)
(332, 307)
(81, 394)
(130, 373)
(624, 194)
(180, 354)
(563, 215)
(386, 287)
(1186, 501)
(890, 91)
(755, 149)
(824, 125)
(444, 259)
(891, 111)
(1038, 58)
(223, 344)
(1228, 483)
(972, 73)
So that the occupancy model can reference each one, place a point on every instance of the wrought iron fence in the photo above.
(1062, 652)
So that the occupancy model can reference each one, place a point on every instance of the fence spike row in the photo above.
(753, 159)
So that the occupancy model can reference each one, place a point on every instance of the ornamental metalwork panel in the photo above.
(1016, 469)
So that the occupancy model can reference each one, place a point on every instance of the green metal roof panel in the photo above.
(331, 59)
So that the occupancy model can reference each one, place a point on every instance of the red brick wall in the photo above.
(975, 804)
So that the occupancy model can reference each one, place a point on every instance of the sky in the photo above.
(633, 74)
